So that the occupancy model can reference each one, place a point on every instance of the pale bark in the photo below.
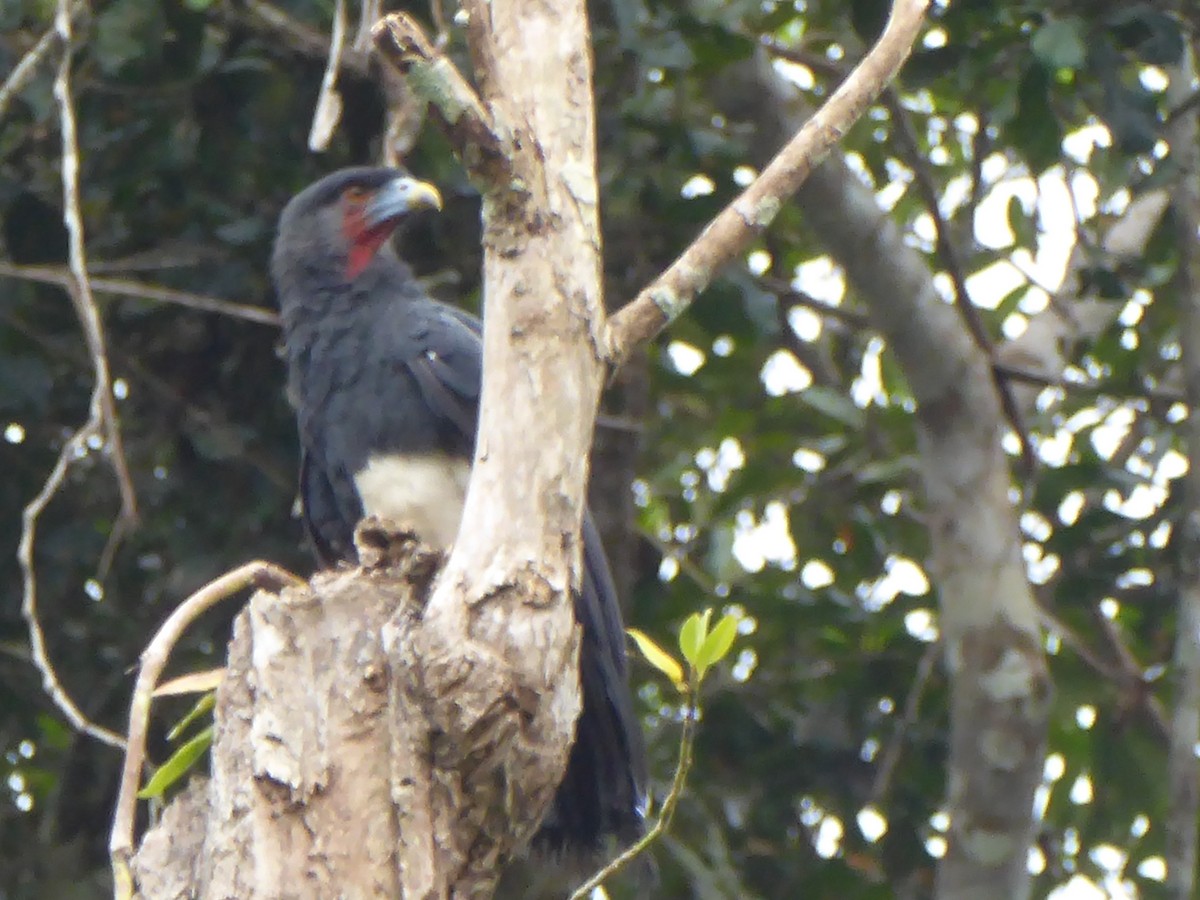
(989, 623)
(747, 217)
(368, 751)
(341, 766)
(1183, 796)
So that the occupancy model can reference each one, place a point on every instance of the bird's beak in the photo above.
(398, 197)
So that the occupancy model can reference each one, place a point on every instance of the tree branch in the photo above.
(988, 618)
(265, 576)
(687, 740)
(79, 288)
(124, 287)
(329, 102)
(746, 217)
(457, 109)
(1183, 773)
(101, 422)
(300, 37)
(74, 449)
(24, 71)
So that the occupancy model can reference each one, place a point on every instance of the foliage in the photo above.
(777, 473)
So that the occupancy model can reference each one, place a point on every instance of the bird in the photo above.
(385, 382)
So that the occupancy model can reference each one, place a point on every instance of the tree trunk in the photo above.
(989, 623)
(382, 735)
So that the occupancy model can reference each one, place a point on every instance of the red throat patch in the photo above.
(364, 242)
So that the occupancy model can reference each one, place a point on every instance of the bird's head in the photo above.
(348, 216)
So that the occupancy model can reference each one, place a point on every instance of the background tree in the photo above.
(1022, 169)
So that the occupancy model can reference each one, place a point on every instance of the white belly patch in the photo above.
(424, 492)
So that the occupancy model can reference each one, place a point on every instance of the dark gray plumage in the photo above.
(386, 385)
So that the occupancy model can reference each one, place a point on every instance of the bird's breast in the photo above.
(424, 491)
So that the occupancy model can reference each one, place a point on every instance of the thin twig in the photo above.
(20, 76)
(101, 420)
(74, 449)
(457, 109)
(726, 236)
(328, 111)
(1133, 675)
(951, 258)
(79, 287)
(124, 287)
(441, 27)
(142, 376)
(24, 72)
(947, 250)
(1057, 627)
(263, 575)
(686, 739)
(372, 12)
(912, 704)
(302, 39)
(795, 297)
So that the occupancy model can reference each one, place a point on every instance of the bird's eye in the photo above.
(355, 194)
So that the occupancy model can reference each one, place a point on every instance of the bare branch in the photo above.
(124, 287)
(951, 257)
(371, 12)
(101, 420)
(79, 288)
(787, 292)
(1132, 676)
(458, 111)
(19, 77)
(74, 449)
(329, 102)
(912, 706)
(301, 38)
(744, 219)
(153, 660)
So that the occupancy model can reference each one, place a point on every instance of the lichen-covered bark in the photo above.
(507, 583)
(1000, 687)
(345, 767)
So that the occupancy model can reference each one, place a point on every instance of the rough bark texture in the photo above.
(341, 769)
(1000, 687)
(1183, 771)
(370, 742)
(518, 553)
(989, 622)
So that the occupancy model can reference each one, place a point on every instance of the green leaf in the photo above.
(1060, 44)
(886, 471)
(177, 766)
(691, 635)
(658, 657)
(833, 403)
(1035, 130)
(202, 707)
(1023, 225)
(717, 644)
(127, 31)
(1155, 37)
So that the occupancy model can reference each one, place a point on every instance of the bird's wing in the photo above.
(325, 523)
(446, 361)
